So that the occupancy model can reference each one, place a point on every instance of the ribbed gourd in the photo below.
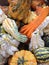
(19, 9)
(10, 27)
(23, 57)
(8, 45)
(42, 54)
(36, 40)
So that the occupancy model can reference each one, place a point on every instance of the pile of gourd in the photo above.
(32, 31)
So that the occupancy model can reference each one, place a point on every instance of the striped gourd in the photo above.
(11, 28)
(19, 9)
(42, 54)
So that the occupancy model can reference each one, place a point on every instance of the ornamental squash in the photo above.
(42, 54)
(2, 16)
(19, 9)
(10, 27)
(23, 57)
(8, 45)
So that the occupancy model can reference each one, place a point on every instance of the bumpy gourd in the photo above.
(19, 9)
(10, 27)
(42, 54)
(36, 40)
(23, 57)
(8, 45)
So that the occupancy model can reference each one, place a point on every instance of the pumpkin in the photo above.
(19, 9)
(23, 57)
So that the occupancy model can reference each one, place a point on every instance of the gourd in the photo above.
(32, 26)
(23, 57)
(8, 45)
(10, 27)
(42, 54)
(19, 9)
(31, 17)
(36, 40)
(2, 16)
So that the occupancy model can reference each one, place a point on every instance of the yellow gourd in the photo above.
(23, 57)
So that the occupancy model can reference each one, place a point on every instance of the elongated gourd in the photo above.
(11, 28)
(32, 26)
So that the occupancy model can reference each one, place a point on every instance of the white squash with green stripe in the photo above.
(42, 54)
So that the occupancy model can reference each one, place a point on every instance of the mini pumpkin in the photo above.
(23, 57)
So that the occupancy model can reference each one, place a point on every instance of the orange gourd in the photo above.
(31, 27)
(23, 57)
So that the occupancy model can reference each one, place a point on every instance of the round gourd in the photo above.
(19, 9)
(23, 57)
(42, 54)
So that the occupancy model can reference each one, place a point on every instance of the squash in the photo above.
(36, 40)
(33, 25)
(10, 27)
(2, 16)
(19, 9)
(8, 45)
(23, 57)
(31, 17)
(42, 54)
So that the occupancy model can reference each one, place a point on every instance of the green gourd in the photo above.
(10, 27)
(42, 54)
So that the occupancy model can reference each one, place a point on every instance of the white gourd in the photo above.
(8, 45)
(36, 41)
(2, 16)
(10, 27)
